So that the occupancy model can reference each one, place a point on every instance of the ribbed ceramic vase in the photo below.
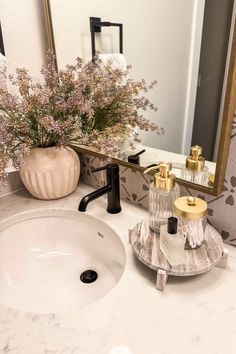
(51, 173)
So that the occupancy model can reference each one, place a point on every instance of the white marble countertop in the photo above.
(195, 315)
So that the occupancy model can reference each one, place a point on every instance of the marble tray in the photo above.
(146, 246)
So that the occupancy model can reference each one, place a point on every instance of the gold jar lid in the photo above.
(195, 161)
(164, 179)
(190, 208)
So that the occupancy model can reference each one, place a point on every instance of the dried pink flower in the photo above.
(89, 103)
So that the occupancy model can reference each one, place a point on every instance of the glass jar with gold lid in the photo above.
(192, 214)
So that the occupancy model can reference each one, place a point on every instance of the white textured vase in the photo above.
(51, 173)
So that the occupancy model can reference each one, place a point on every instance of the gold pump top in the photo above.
(164, 179)
(195, 161)
(190, 208)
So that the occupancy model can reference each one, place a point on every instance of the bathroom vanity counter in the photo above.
(193, 315)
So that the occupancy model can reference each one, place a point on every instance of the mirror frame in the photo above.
(227, 119)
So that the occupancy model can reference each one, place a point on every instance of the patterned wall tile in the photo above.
(88, 163)
(134, 186)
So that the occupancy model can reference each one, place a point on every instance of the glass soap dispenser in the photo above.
(162, 193)
(195, 170)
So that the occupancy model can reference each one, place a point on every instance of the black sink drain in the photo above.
(88, 276)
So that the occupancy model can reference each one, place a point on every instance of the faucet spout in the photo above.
(112, 189)
(92, 196)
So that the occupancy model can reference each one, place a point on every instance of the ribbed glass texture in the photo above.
(193, 231)
(161, 204)
(195, 177)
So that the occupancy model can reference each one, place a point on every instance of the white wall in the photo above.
(24, 34)
(193, 69)
(157, 43)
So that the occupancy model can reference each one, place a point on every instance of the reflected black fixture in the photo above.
(2, 50)
(135, 158)
(96, 26)
(112, 189)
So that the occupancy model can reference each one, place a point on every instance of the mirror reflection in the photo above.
(182, 44)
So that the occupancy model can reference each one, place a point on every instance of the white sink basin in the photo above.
(43, 253)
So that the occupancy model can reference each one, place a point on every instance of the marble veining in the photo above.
(196, 315)
(146, 245)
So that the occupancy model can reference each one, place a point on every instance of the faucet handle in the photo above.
(99, 169)
(135, 158)
(113, 168)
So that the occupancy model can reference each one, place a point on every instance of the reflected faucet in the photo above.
(135, 158)
(112, 189)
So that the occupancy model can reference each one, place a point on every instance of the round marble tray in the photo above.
(146, 246)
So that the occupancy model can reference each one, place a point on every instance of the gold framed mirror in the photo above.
(227, 108)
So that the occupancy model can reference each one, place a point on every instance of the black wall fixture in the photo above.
(2, 50)
(96, 26)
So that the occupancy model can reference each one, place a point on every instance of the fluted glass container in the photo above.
(194, 169)
(199, 177)
(193, 231)
(192, 215)
(162, 194)
(161, 205)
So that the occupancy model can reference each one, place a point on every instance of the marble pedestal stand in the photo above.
(146, 246)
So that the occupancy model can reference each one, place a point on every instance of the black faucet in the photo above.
(135, 158)
(112, 189)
